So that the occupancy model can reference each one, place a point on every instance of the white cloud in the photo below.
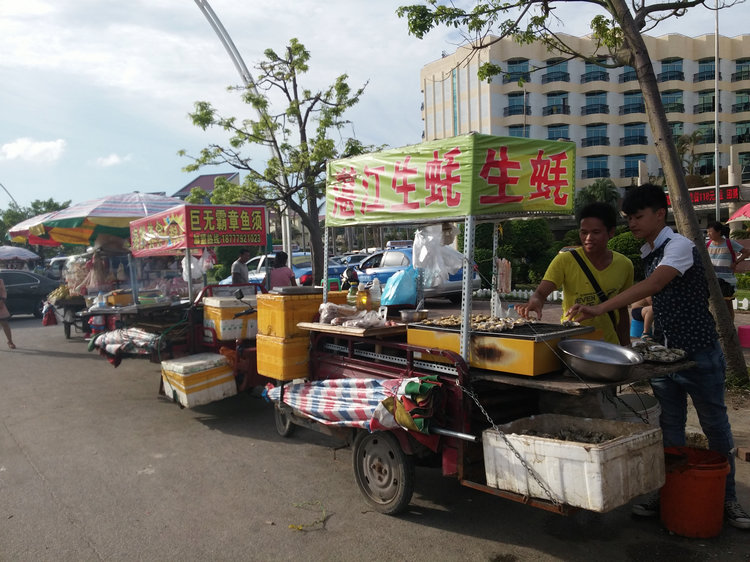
(112, 160)
(33, 151)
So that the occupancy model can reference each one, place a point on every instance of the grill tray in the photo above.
(536, 332)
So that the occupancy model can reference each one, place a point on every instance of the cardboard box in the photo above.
(218, 314)
(598, 477)
(198, 379)
(283, 359)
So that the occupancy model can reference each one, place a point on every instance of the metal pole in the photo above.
(716, 115)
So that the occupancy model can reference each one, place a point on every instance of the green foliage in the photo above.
(743, 280)
(630, 247)
(483, 259)
(603, 189)
(301, 136)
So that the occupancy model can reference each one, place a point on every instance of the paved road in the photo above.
(95, 466)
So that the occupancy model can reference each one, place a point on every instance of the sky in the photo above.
(96, 94)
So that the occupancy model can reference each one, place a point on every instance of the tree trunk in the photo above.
(685, 218)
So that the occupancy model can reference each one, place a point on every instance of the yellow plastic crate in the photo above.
(283, 359)
(278, 315)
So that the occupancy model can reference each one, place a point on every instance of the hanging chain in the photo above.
(523, 462)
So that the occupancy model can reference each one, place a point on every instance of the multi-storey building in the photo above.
(544, 95)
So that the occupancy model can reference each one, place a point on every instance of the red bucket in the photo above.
(692, 499)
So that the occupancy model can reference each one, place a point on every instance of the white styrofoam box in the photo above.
(218, 314)
(598, 477)
(198, 379)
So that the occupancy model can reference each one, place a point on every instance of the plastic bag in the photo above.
(329, 311)
(437, 260)
(195, 269)
(369, 319)
(401, 288)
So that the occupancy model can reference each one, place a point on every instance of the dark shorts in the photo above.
(727, 289)
(637, 314)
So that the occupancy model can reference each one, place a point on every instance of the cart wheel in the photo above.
(66, 328)
(384, 473)
(284, 425)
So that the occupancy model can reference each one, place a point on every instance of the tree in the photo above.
(299, 132)
(686, 150)
(603, 189)
(617, 30)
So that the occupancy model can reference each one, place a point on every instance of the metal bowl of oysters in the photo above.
(598, 360)
(409, 316)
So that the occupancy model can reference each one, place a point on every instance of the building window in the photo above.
(555, 132)
(742, 102)
(705, 102)
(633, 103)
(596, 167)
(742, 131)
(628, 74)
(596, 102)
(745, 166)
(631, 165)
(706, 68)
(672, 101)
(677, 128)
(705, 164)
(742, 70)
(706, 129)
(595, 72)
(634, 133)
(671, 69)
(596, 135)
(518, 69)
(557, 71)
(516, 105)
(557, 104)
(520, 131)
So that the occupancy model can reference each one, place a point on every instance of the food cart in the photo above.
(454, 397)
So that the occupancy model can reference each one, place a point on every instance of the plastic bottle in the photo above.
(363, 297)
(100, 300)
(375, 294)
(351, 298)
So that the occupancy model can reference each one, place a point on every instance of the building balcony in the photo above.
(740, 139)
(595, 173)
(516, 76)
(674, 107)
(708, 138)
(705, 170)
(592, 108)
(556, 76)
(516, 110)
(594, 75)
(597, 140)
(705, 107)
(630, 140)
(670, 75)
(741, 75)
(705, 75)
(631, 172)
(740, 107)
(628, 108)
(628, 76)
(556, 109)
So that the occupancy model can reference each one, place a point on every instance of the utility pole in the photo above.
(239, 64)
(9, 195)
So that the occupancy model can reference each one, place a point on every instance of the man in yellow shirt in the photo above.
(612, 272)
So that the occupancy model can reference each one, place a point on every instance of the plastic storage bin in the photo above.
(283, 359)
(218, 313)
(598, 477)
(198, 379)
(278, 315)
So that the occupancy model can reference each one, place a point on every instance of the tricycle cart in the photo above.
(468, 384)
(70, 307)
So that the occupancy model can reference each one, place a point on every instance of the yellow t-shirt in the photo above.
(568, 276)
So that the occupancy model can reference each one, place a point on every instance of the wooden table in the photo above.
(377, 332)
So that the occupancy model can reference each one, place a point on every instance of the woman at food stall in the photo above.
(281, 274)
(5, 315)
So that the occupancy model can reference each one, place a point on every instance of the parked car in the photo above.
(382, 265)
(301, 264)
(27, 291)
